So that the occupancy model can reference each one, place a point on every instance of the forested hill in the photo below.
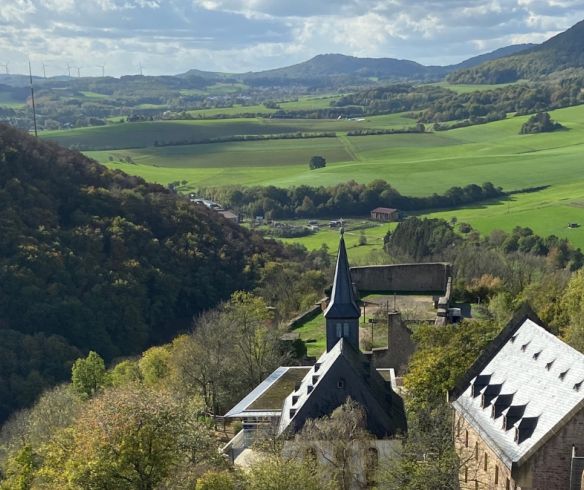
(561, 52)
(95, 259)
(336, 68)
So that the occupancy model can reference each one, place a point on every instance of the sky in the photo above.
(173, 36)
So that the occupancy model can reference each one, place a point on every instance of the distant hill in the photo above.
(338, 68)
(561, 52)
(493, 55)
(93, 259)
(330, 65)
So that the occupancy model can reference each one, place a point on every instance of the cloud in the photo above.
(172, 36)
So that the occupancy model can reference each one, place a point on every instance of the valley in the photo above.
(415, 164)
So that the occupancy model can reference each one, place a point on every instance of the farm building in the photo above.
(519, 412)
(385, 214)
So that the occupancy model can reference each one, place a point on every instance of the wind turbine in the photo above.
(141, 72)
(44, 70)
(69, 69)
(5, 65)
(102, 70)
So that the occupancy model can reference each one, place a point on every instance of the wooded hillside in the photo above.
(95, 259)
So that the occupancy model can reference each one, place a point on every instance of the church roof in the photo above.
(341, 373)
(526, 387)
(342, 303)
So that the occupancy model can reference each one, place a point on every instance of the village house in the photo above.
(385, 214)
(519, 412)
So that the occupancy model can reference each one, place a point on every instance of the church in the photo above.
(291, 395)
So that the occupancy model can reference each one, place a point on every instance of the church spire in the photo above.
(342, 313)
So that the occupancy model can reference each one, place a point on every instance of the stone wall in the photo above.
(549, 468)
(402, 278)
(474, 473)
(551, 465)
(400, 346)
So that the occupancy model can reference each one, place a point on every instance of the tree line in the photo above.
(346, 199)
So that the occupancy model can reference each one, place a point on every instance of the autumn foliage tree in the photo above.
(134, 438)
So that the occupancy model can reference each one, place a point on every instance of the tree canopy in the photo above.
(92, 259)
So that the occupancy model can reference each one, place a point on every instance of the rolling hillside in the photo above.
(561, 52)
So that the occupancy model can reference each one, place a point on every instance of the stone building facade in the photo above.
(519, 412)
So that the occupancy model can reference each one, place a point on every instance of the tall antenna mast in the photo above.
(44, 71)
(32, 97)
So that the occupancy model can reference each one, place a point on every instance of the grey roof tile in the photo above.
(535, 378)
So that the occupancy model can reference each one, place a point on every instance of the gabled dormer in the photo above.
(342, 314)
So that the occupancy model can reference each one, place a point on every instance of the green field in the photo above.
(548, 212)
(416, 164)
(303, 103)
(360, 253)
(146, 134)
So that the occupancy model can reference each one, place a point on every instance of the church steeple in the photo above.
(342, 314)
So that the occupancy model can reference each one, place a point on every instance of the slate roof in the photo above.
(525, 389)
(384, 210)
(342, 303)
(341, 373)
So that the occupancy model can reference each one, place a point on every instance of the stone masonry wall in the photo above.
(549, 468)
(471, 450)
(551, 464)
(407, 278)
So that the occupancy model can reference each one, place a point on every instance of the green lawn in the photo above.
(313, 332)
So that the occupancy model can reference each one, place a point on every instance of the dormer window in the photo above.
(549, 365)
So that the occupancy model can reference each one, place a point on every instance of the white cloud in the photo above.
(171, 36)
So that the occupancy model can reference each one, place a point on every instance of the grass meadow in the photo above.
(416, 164)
